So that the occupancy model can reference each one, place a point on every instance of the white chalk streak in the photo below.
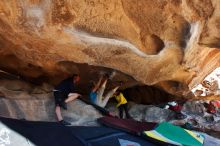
(194, 31)
(85, 37)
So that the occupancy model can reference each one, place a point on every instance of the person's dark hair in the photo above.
(117, 92)
(106, 75)
(121, 83)
(75, 75)
(91, 85)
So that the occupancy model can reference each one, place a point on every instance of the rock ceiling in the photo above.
(161, 42)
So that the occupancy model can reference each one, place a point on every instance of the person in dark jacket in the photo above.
(65, 92)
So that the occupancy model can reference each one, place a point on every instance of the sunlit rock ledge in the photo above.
(172, 44)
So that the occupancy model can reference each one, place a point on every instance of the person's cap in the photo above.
(173, 103)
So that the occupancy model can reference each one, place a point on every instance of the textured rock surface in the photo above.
(198, 116)
(23, 100)
(20, 101)
(146, 95)
(171, 44)
(78, 112)
(209, 86)
(152, 41)
(151, 113)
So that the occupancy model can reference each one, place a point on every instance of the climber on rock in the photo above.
(97, 91)
(65, 92)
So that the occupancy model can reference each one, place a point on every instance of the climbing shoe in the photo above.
(64, 123)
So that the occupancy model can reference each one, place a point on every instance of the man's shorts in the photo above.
(60, 98)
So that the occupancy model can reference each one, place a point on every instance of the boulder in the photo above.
(150, 113)
(78, 112)
(194, 108)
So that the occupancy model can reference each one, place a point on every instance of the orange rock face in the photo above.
(165, 42)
